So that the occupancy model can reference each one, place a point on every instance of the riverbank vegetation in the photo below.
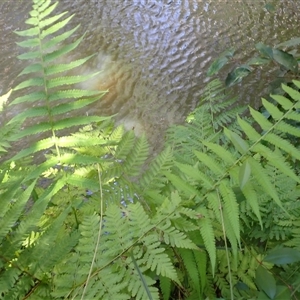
(215, 215)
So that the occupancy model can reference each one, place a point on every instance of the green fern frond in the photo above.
(10, 218)
(46, 47)
(165, 286)
(208, 236)
(192, 270)
(231, 209)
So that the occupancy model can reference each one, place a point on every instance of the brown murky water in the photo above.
(154, 54)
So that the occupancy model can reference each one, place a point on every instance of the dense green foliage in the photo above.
(214, 215)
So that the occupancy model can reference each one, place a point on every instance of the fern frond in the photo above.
(45, 47)
(231, 209)
(208, 236)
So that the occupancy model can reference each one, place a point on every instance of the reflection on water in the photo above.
(154, 54)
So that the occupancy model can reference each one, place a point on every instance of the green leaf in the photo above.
(272, 109)
(289, 43)
(265, 281)
(237, 141)
(258, 61)
(283, 256)
(265, 50)
(264, 181)
(285, 59)
(237, 75)
(283, 292)
(252, 134)
(207, 233)
(244, 174)
(292, 92)
(217, 65)
(251, 197)
(270, 7)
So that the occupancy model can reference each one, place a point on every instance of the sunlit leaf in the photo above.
(3, 99)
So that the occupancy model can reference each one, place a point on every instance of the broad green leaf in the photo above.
(285, 59)
(283, 256)
(237, 75)
(258, 61)
(266, 282)
(283, 292)
(217, 65)
(265, 50)
(244, 174)
(289, 43)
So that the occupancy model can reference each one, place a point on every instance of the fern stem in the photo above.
(99, 234)
(226, 247)
(141, 276)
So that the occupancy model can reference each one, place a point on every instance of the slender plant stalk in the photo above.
(99, 234)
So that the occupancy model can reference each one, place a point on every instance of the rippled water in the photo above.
(154, 54)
